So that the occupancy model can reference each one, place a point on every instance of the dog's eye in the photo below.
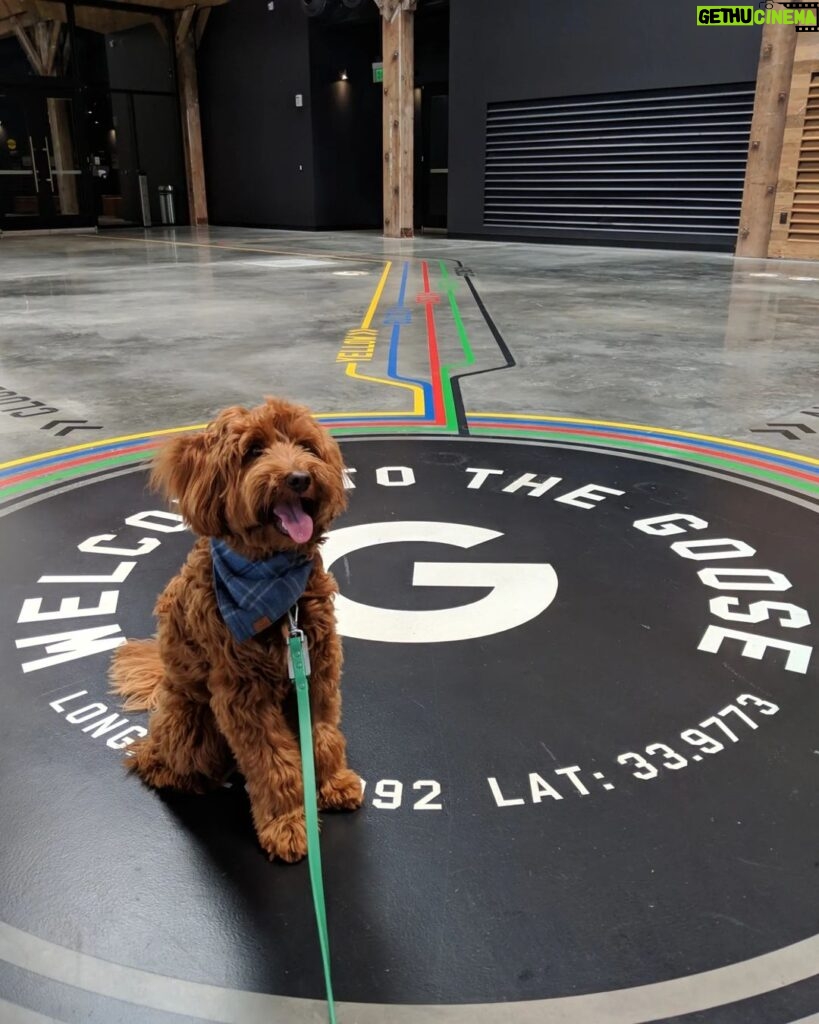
(254, 452)
(309, 447)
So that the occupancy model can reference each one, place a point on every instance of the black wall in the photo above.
(346, 124)
(138, 58)
(258, 144)
(431, 45)
(536, 49)
(251, 64)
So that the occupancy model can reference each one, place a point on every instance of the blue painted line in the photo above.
(55, 460)
(395, 343)
(796, 463)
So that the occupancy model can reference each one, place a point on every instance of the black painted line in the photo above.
(506, 352)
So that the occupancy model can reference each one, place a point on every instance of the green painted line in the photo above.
(469, 355)
(36, 483)
(649, 447)
(698, 458)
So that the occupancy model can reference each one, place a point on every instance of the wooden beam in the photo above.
(27, 45)
(183, 24)
(773, 86)
(51, 49)
(40, 32)
(201, 22)
(161, 28)
(191, 124)
(389, 8)
(398, 114)
(66, 49)
(95, 19)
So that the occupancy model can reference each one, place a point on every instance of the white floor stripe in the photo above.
(639, 1005)
(11, 1014)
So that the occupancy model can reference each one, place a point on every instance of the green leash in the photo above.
(298, 662)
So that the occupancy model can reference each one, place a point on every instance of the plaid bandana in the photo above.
(253, 595)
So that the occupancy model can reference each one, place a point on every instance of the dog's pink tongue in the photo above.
(295, 520)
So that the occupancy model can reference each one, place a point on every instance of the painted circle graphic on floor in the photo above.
(579, 687)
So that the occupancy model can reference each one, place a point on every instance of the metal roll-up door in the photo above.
(660, 167)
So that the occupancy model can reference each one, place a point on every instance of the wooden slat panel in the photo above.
(795, 227)
(804, 222)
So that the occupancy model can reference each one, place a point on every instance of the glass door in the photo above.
(42, 184)
(19, 176)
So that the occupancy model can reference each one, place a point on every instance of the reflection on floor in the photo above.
(623, 823)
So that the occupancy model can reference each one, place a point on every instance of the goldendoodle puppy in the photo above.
(260, 487)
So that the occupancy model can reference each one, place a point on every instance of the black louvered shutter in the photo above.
(662, 167)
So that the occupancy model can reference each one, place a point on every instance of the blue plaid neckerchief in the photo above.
(253, 595)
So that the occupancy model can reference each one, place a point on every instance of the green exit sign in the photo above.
(378, 72)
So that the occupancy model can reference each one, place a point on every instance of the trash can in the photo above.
(167, 213)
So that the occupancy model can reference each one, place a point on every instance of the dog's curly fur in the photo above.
(216, 703)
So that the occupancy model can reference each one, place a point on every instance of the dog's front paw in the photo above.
(144, 759)
(341, 792)
(285, 837)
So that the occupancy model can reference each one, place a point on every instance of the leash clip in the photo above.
(297, 639)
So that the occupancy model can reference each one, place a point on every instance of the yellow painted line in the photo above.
(418, 392)
(99, 444)
(333, 416)
(645, 427)
(139, 437)
(375, 415)
(175, 430)
(352, 368)
(373, 306)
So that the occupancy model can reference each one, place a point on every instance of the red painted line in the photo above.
(32, 474)
(434, 355)
(674, 445)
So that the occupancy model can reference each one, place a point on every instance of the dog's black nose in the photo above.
(299, 482)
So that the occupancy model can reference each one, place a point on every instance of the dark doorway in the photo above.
(433, 167)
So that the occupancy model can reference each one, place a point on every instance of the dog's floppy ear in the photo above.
(184, 469)
(176, 463)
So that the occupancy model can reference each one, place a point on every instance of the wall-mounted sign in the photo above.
(378, 72)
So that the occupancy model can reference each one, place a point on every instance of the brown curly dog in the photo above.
(261, 483)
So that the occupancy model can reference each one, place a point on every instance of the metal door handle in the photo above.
(34, 165)
(50, 168)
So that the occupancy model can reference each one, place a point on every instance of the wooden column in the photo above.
(62, 142)
(191, 126)
(398, 55)
(767, 131)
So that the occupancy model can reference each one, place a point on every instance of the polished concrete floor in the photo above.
(133, 332)
(143, 911)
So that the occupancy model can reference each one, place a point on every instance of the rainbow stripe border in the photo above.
(784, 470)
